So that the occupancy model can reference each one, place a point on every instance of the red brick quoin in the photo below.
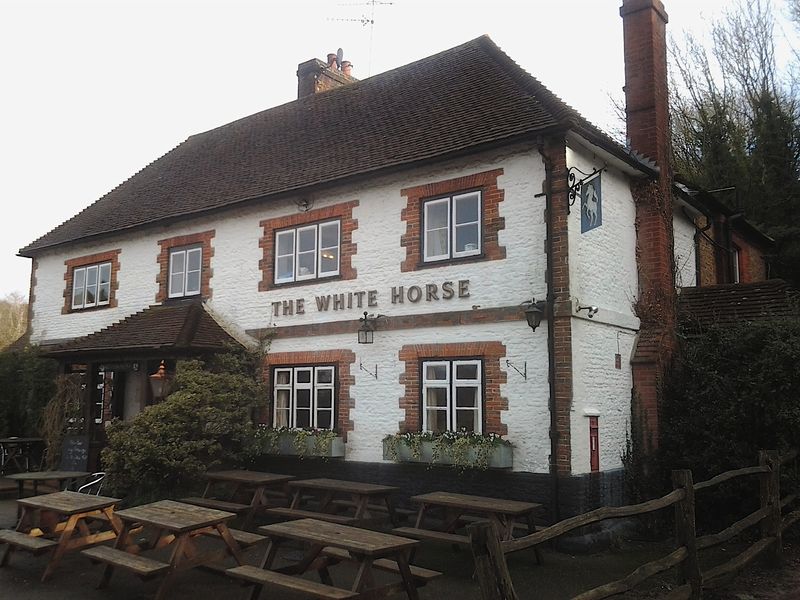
(195, 239)
(491, 198)
(347, 249)
(111, 256)
(493, 403)
(341, 359)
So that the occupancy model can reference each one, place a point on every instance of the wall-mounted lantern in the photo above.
(534, 311)
(159, 382)
(366, 333)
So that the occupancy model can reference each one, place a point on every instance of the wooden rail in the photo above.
(491, 568)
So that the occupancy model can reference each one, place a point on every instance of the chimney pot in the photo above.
(332, 60)
(347, 67)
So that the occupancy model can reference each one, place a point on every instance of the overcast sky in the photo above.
(94, 90)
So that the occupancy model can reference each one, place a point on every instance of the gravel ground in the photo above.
(562, 576)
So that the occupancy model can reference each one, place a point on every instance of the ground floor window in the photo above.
(451, 395)
(304, 397)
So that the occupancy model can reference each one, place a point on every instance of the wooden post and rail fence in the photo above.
(491, 569)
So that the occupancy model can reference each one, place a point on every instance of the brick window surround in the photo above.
(341, 359)
(347, 249)
(490, 352)
(195, 239)
(111, 256)
(492, 222)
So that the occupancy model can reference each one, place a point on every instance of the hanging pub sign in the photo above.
(591, 204)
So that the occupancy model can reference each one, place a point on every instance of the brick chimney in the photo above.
(647, 119)
(314, 76)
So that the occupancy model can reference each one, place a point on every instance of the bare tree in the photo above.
(13, 318)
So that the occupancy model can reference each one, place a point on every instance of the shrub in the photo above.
(28, 382)
(203, 424)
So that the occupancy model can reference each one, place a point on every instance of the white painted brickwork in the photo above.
(685, 253)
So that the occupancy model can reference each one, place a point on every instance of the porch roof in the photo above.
(730, 303)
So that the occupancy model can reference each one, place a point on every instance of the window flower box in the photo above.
(286, 441)
(462, 449)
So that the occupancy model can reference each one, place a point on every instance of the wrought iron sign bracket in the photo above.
(366, 370)
(524, 371)
(575, 186)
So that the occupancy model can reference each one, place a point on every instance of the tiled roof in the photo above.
(179, 326)
(464, 98)
(734, 303)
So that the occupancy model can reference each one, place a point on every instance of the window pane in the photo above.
(285, 243)
(283, 377)
(324, 398)
(434, 372)
(329, 260)
(467, 238)
(436, 242)
(193, 257)
(436, 214)
(281, 418)
(177, 261)
(467, 371)
(325, 420)
(105, 273)
(102, 293)
(303, 375)
(78, 286)
(324, 375)
(466, 397)
(437, 420)
(286, 267)
(193, 282)
(306, 239)
(329, 235)
(467, 419)
(91, 275)
(306, 264)
(282, 398)
(436, 397)
(303, 418)
(303, 399)
(467, 208)
(176, 284)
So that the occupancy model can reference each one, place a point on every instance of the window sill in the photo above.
(451, 261)
(499, 457)
(89, 308)
(318, 280)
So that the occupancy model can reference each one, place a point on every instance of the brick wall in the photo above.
(341, 359)
(202, 239)
(493, 377)
(347, 248)
(71, 264)
(492, 222)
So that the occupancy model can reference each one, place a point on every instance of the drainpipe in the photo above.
(551, 341)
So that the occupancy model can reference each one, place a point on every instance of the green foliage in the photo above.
(462, 449)
(27, 382)
(733, 391)
(269, 440)
(203, 424)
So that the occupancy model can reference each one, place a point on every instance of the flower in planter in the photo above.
(269, 440)
(463, 449)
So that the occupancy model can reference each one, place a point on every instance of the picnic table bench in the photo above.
(257, 486)
(327, 545)
(59, 523)
(335, 495)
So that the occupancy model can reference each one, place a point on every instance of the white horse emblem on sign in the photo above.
(591, 205)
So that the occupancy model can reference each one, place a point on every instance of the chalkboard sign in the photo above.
(74, 453)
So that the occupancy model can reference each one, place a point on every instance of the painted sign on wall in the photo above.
(591, 204)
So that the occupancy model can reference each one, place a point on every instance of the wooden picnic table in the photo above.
(16, 449)
(334, 495)
(60, 522)
(36, 477)
(173, 523)
(459, 509)
(254, 484)
(328, 544)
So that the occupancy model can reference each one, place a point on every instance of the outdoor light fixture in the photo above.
(158, 381)
(591, 311)
(366, 333)
(534, 311)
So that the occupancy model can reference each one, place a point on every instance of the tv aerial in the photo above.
(365, 20)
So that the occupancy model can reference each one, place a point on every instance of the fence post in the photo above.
(770, 496)
(685, 532)
(491, 568)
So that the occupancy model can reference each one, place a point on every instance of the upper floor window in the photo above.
(452, 395)
(307, 252)
(185, 265)
(452, 227)
(303, 397)
(91, 285)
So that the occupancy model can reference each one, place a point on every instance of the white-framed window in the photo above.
(452, 227)
(185, 266)
(452, 396)
(307, 252)
(304, 397)
(91, 285)
(735, 256)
